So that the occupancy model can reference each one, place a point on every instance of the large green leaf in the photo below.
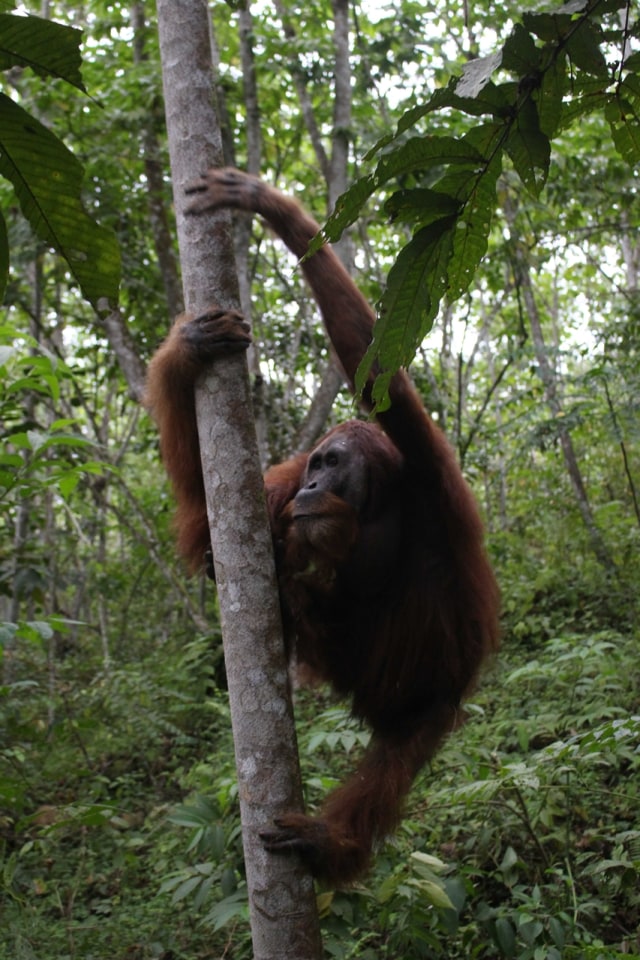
(47, 180)
(490, 99)
(624, 122)
(528, 148)
(420, 205)
(593, 100)
(50, 49)
(346, 211)
(414, 156)
(520, 53)
(472, 230)
(548, 26)
(422, 153)
(584, 50)
(409, 304)
(549, 98)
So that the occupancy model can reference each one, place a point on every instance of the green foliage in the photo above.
(533, 806)
(85, 828)
(531, 809)
(560, 67)
(34, 454)
(49, 49)
(45, 175)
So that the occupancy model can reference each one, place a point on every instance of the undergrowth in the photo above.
(120, 833)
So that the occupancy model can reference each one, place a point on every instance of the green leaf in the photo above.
(490, 99)
(505, 937)
(185, 888)
(417, 155)
(630, 88)
(550, 27)
(435, 894)
(632, 62)
(47, 180)
(345, 212)
(625, 129)
(427, 860)
(422, 153)
(593, 101)
(421, 206)
(520, 52)
(557, 932)
(472, 230)
(50, 49)
(583, 48)
(528, 148)
(549, 98)
(228, 909)
(415, 286)
(67, 483)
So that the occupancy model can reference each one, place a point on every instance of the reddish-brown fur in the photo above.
(385, 584)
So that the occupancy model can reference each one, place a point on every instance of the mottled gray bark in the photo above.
(282, 904)
(125, 351)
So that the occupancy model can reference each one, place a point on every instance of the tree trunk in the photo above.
(281, 898)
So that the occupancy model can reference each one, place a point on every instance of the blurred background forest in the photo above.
(119, 831)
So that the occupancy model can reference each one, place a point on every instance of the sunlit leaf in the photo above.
(50, 49)
(477, 73)
(47, 179)
(435, 894)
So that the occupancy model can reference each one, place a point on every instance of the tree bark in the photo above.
(124, 348)
(281, 898)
